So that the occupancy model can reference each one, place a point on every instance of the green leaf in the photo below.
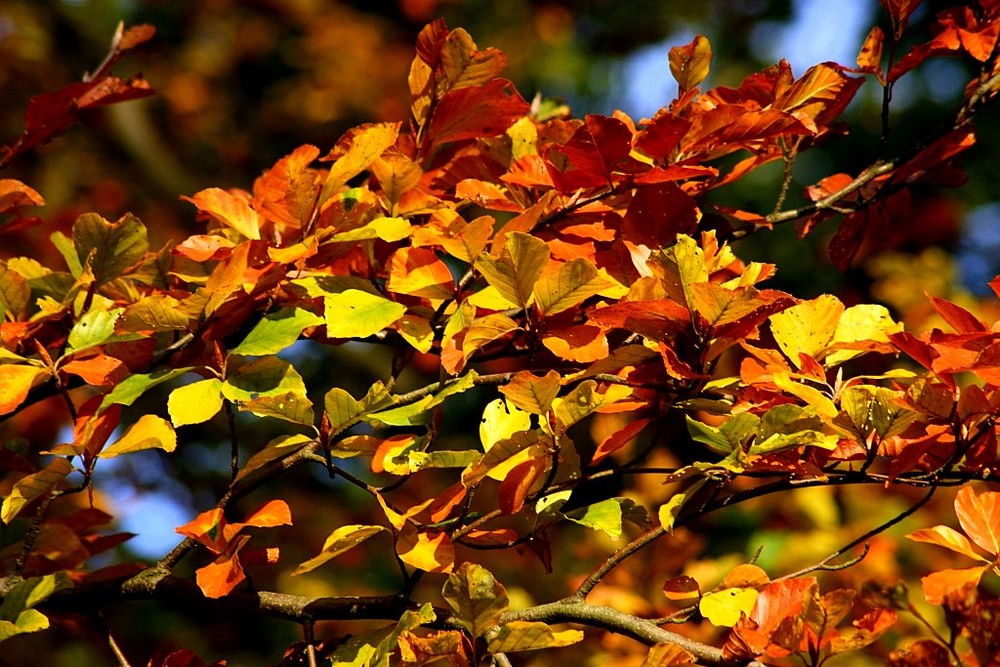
(605, 516)
(418, 412)
(669, 511)
(530, 636)
(264, 376)
(131, 388)
(889, 416)
(95, 327)
(356, 314)
(277, 331)
(476, 596)
(290, 406)
(109, 247)
(28, 593)
(150, 432)
(27, 621)
(33, 486)
(195, 403)
(339, 541)
(515, 273)
(64, 245)
(342, 410)
(585, 399)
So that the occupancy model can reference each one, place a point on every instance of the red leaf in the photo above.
(658, 213)
(653, 319)
(662, 135)
(476, 111)
(899, 13)
(779, 600)
(961, 320)
(15, 194)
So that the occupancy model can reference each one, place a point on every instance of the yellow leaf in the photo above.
(32, 486)
(500, 421)
(531, 393)
(529, 636)
(16, 380)
(365, 144)
(148, 433)
(419, 272)
(515, 272)
(572, 283)
(524, 138)
(196, 402)
(339, 541)
(416, 331)
(356, 314)
(813, 397)
(429, 550)
(807, 327)
(863, 322)
(387, 229)
(723, 608)
(689, 64)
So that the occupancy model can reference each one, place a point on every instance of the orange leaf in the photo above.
(583, 343)
(16, 381)
(780, 600)
(99, 370)
(272, 513)
(230, 210)
(619, 439)
(531, 393)
(689, 64)
(206, 529)
(980, 517)
(219, 578)
(476, 111)
(946, 537)
(14, 194)
(519, 482)
(938, 585)
(961, 320)
(203, 247)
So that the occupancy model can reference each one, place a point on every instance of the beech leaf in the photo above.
(724, 608)
(149, 432)
(196, 402)
(531, 636)
(477, 598)
(356, 314)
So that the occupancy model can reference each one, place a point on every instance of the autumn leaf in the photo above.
(341, 540)
(724, 608)
(196, 402)
(33, 486)
(531, 636)
(476, 597)
(689, 64)
(16, 381)
(531, 393)
(232, 211)
(149, 432)
(356, 314)
(979, 516)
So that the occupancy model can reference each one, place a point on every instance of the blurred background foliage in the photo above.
(241, 83)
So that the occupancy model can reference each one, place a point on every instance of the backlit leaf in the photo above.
(149, 432)
(196, 402)
(355, 152)
(477, 111)
(500, 421)
(532, 393)
(356, 314)
(667, 655)
(515, 272)
(477, 598)
(16, 380)
(277, 331)
(263, 376)
(530, 636)
(574, 282)
(808, 327)
(689, 64)
(723, 608)
(110, 247)
(946, 537)
(33, 486)
(290, 406)
(232, 211)
(605, 516)
(979, 515)
(341, 540)
(938, 585)
(135, 385)
(427, 550)
(419, 272)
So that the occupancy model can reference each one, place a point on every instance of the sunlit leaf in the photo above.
(263, 376)
(946, 537)
(667, 655)
(290, 406)
(808, 327)
(16, 380)
(356, 314)
(515, 273)
(427, 550)
(723, 608)
(149, 432)
(605, 516)
(572, 283)
(109, 247)
(938, 585)
(135, 385)
(232, 211)
(196, 402)
(33, 486)
(979, 515)
(531, 636)
(477, 598)
(277, 331)
(532, 393)
(339, 541)
(689, 64)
